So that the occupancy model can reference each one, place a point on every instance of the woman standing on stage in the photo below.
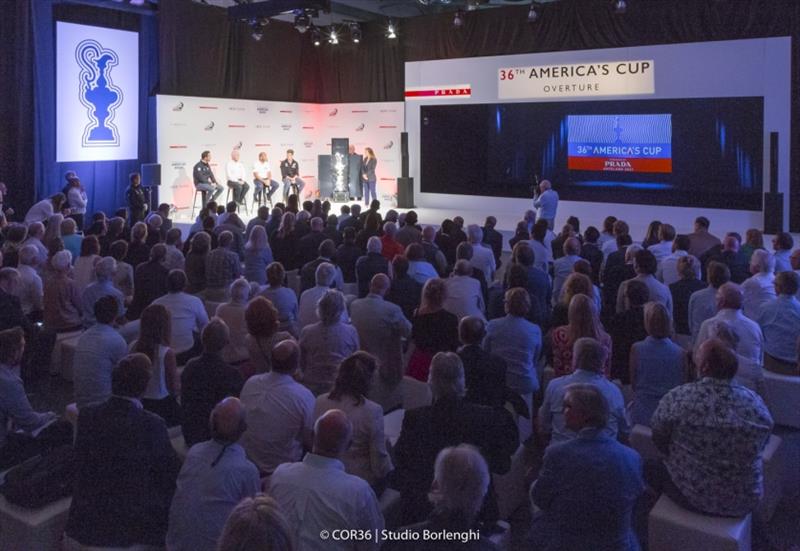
(368, 175)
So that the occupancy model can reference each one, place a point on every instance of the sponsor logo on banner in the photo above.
(307, 127)
(210, 126)
(308, 144)
(236, 108)
(179, 124)
(178, 106)
(389, 145)
(177, 147)
(238, 145)
(263, 126)
(333, 113)
(388, 110)
(360, 127)
(286, 111)
(439, 92)
(236, 126)
(262, 110)
(286, 126)
(98, 93)
(613, 78)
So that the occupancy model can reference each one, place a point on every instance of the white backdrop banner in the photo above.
(187, 126)
(97, 109)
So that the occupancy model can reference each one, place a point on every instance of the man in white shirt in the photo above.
(174, 259)
(482, 256)
(35, 235)
(662, 249)
(188, 315)
(668, 266)
(30, 290)
(729, 309)
(645, 265)
(546, 203)
(235, 172)
(464, 296)
(280, 412)
(703, 303)
(307, 309)
(318, 496)
(620, 228)
(562, 267)
(782, 244)
(262, 178)
(760, 287)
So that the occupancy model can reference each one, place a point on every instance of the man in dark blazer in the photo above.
(493, 238)
(484, 373)
(125, 467)
(149, 281)
(449, 421)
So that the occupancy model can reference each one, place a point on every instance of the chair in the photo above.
(773, 479)
(202, 200)
(416, 394)
(55, 357)
(641, 440)
(228, 199)
(782, 396)
(293, 281)
(22, 528)
(672, 527)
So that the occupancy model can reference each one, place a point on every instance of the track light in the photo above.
(316, 36)
(391, 30)
(257, 26)
(620, 6)
(302, 22)
(458, 20)
(533, 13)
(333, 37)
(355, 32)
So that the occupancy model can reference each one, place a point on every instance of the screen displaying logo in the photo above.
(98, 93)
(178, 107)
(210, 126)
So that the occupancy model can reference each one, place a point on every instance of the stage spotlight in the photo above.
(137, 2)
(458, 20)
(333, 37)
(302, 22)
(257, 26)
(391, 30)
(620, 6)
(533, 13)
(316, 36)
(355, 32)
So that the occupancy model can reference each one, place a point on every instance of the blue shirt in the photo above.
(780, 321)
(14, 405)
(207, 494)
(546, 205)
(702, 306)
(97, 351)
(783, 262)
(95, 292)
(551, 414)
(587, 490)
(255, 264)
(658, 370)
(285, 302)
(519, 343)
(72, 243)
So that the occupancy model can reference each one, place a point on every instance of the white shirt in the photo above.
(261, 170)
(542, 255)
(307, 309)
(30, 289)
(234, 170)
(188, 317)
(483, 259)
(562, 268)
(39, 212)
(668, 268)
(41, 250)
(758, 290)
(751, 339)
(77, 201)
(316, 494)
(464, 297)
(279, 412)
(661, 250)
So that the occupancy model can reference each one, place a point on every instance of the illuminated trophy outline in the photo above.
(98, 93)
(340, 168)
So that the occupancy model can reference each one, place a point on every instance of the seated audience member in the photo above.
(463, 292)
(116, 231)
(433, 253)
(627, 328)
(97, 351)
(284, 242)
(729, 254)
(749, 372)
(316, 493)
(344, 217)
(519, 343)
(682, 291)
(205, 381)
(753, 240)
(482, 256)
(703, 303)
(617, 269)
(667, 271)
(589, 357)
(72, 240)
(588, 486)
(257, 256)
(372, 228)
(196, 262)
(657, 364)
(381, 328)
(303, 224)
(138, 251)
(188, 317)
(583, 322)
(256, 524)
(405, 291)
(464, 252)
(608, 231)
(590, 251)
(713, 463)
(103, 286)
(701, 240)
(330, 231)
(279, 411)
(780, 322)
(433, 329)
(538, 285)
(326, 253)
(369, 265)
(308, 245)
(460, 484)
(222, 268)
(149, 281)
(31, 289)
(347, 254)
(83, 271)
(449, 421)
(261, 319)
(17, 418)
(521, 233)
(366, 457)
(307, 308)
(62, 302)
(663, 247)
(123, 278)
(619, 230)
(557, 244)
(493, 238)
(409, 232)
(262, 219)
(759, 288)
(575, 284)
(562, 267)
(782, 244)
(164, 387)
(282, 298)
(154, 223)
(750, 343)
(174, 259)
(215, 476)
(232, 313)
(389, 245)
(35, 236)
(484, 373)
(324, 344)
(126, 467)
(418, 268)
(644, 263)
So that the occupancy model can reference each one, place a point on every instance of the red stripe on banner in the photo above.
(207, 107)
(619, 164)
(388, 126)
(262, 145)
(419, 93)
(177, 147)
(307, 127)
(386, 179)
(285, 111)
(438, 92)
(236, 126)
(360, 111)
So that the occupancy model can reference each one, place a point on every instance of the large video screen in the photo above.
(686, 152)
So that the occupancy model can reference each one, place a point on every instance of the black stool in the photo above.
(202, 199)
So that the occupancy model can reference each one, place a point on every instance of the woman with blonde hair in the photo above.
(575, 284)
(284, 242)
(433, 329)
(583, 321)
(257, 256)
(368, 175)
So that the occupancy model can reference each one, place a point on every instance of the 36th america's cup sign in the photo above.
(617, 78)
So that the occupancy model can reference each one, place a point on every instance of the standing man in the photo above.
(235, 172)
(290, 171)
(546, 203)
(262, 178)
(204, 179)
(137, 204)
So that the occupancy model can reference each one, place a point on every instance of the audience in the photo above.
(682, 291)
(405, 291)
(61, 297)
(759, 288)
(257, 256)
(418, 267)
(667, 271)
(369, 265)
(583, 322)
(562, 267)
(282, 298)
(83, 271)
(263, 333)
(104, 269)
(780, 322)
(484, 373)
(782, 244)
(701, 240)
(222, 267)
(196, 262)
(188, 317)
(703, 303)
(149, 281)
(307, 307)
(31, 289)
(627, 328)
(256, 524)
(463, 296)
(327, 253)
(433, 329)
(644, 263)
(232, 313)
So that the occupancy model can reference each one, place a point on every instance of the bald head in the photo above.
(332, 433)
(285, 356)
(380, 284)
(729, 295)
(730, 243)
(227, 420)
(572, 246)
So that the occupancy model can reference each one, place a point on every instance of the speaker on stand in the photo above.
(773, 201)
(405, 184)
(151, 178)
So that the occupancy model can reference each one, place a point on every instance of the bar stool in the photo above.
(202, 199)
(228, 199)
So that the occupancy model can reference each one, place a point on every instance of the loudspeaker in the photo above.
(404, 155)
(405, 193)
(324, 175)
(151, 174)
(773, 213)
(773, 162)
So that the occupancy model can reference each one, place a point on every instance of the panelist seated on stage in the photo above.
(235, 173)
(290, 173)
(262, 178)
(204, 179)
